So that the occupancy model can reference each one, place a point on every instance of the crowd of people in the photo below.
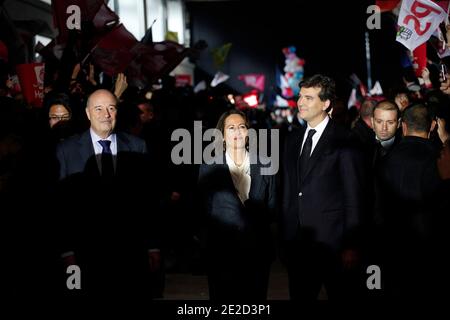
(88, 180)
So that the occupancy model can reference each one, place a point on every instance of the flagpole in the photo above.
(368, 64)
(145, 16)
(446, 17)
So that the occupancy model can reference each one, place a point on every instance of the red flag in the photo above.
(118, 51)
(3, 52)
(363, 89)
(152, 61)
(254, 80)
(387, 5)
(31, 77)
(60, 16)
(113, 53)
(182, 80)
(73, 11)
(104, 18)
(442, 4)
(420, 59)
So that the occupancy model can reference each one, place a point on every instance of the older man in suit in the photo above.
(105, 178)
(322, 182)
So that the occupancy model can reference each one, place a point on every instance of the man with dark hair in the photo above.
(59, 109)
(61, 125)
(417, 121)
(322, 182)
(409, 184)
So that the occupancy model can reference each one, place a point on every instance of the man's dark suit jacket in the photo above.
(414, 221)
(76, 155)
(324, 207)
(363, 134)
(107, 221)
(409, 181)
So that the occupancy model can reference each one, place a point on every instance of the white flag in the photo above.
(200, 86)
(376, 90)
(352, 100)
(281, 102)
(417, 21)
(219, 78)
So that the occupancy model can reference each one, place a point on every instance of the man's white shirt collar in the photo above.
(386, 143)
(320, 128)
(97, 146)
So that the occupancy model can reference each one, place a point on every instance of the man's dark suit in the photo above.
(410, 186)
(321, 213)
(373, 152)
(363, 135)
(108, 222)
(239, 241)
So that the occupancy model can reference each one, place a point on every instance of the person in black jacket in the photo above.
(323, 179)
(411, 190)
(239, 203)
(106, 229)
(362, 130)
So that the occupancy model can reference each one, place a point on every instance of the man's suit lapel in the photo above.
(123, 148)
(123, 143)
(87, 154)
(319, 149)
(297, 152)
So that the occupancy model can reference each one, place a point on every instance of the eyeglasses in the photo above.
(59, 117)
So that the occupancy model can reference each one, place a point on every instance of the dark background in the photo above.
(329, 35)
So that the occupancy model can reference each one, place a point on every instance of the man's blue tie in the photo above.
(107, 159)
